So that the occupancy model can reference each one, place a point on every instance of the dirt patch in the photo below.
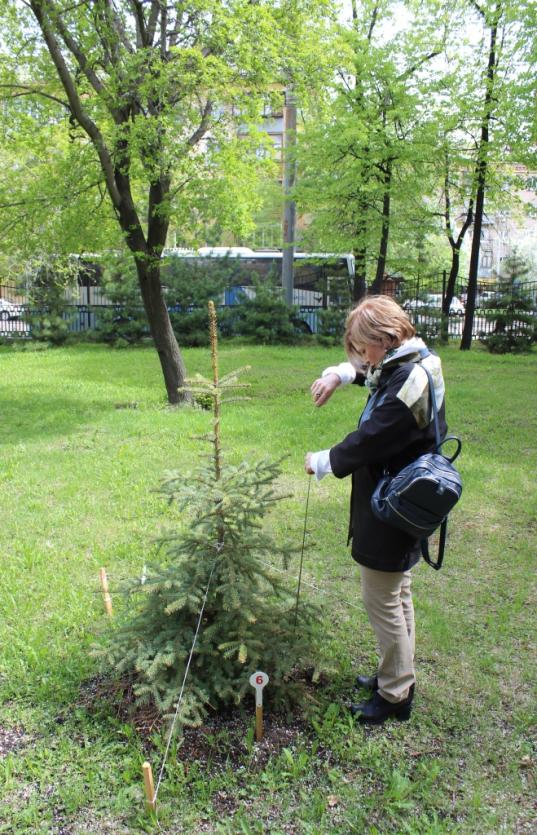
(224, 740)
(11, 740)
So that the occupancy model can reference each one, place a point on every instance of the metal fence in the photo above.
(422, 298)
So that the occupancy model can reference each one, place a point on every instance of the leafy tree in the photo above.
(189, 285)
(216, 578)
(140, 105)
(363, 167)
(492, 19)
(502, 119)
(454, 235)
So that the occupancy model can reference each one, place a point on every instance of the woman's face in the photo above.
(372, 352)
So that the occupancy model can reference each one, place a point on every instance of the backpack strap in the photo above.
(441, 546)
(443, 527)
(434, 409)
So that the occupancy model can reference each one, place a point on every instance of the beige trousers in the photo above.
(388, 602)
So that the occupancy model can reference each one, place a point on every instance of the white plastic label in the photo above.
(259, 680)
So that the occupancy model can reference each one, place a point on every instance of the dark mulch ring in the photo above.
(11, 740)
(223, 740)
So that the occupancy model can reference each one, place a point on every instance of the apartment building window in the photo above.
(277, 144)
(486, 259)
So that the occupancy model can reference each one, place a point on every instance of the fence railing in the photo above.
(423, 307)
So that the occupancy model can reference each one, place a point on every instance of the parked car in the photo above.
(8, 310)
(434, 301)
(487, 298)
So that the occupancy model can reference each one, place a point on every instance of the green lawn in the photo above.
(78, 468)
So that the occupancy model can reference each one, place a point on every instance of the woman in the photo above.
(394, 429)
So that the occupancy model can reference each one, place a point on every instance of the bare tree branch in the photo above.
(163, 28)
(372, 22)
(32, 91)
(412, 69)
(203, 126)
(47, 201)
(141, 30)
(479, 8)
(72, 45)
(76, 105)
(156, 7)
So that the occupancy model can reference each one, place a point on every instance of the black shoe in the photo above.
(360, 705)
(377, 710)
(367, 682)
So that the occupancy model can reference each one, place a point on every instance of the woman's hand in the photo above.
(323, 388)
(307, 465)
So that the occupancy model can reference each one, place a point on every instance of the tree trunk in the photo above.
(452, 280)
(147, 256)
(481, 181)
(466, 341)
(171, 361)
(359, 284)
(376, 287)
(447, 296)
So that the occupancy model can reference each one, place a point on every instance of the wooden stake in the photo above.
(259, 723)
(106, 594)
(149, 787)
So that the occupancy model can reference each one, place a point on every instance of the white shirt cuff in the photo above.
(320, 463)
(345, 371)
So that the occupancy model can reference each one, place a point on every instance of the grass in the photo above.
(79, 464)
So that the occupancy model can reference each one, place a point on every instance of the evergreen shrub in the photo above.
(47, 312)
(331, 325)
(124, 322)
(216, 576)
(265, 317)
(513, 312)
(188, 286)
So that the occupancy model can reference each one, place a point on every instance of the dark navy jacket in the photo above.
(394, 429)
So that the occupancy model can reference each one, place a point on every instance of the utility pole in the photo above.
(289, 178)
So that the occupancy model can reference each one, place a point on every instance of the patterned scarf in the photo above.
(408, 351)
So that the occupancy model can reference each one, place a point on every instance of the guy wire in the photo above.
(302, 553)
(166, 752)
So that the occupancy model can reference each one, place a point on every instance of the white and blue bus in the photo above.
(320, 279)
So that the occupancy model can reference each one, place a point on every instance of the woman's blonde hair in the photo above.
(377, 320)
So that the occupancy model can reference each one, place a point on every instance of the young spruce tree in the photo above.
(512, 310)
(217, 564)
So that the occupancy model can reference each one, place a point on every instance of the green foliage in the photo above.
(248, 618)
(331, 325)
(514, 312)
(192, 282)
(145, 108)
(47, 285)
(364, 153)
(189, 285)
(125, 322)
(143, 121)
(265, 317)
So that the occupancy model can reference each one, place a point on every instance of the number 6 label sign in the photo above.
(259, 680)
